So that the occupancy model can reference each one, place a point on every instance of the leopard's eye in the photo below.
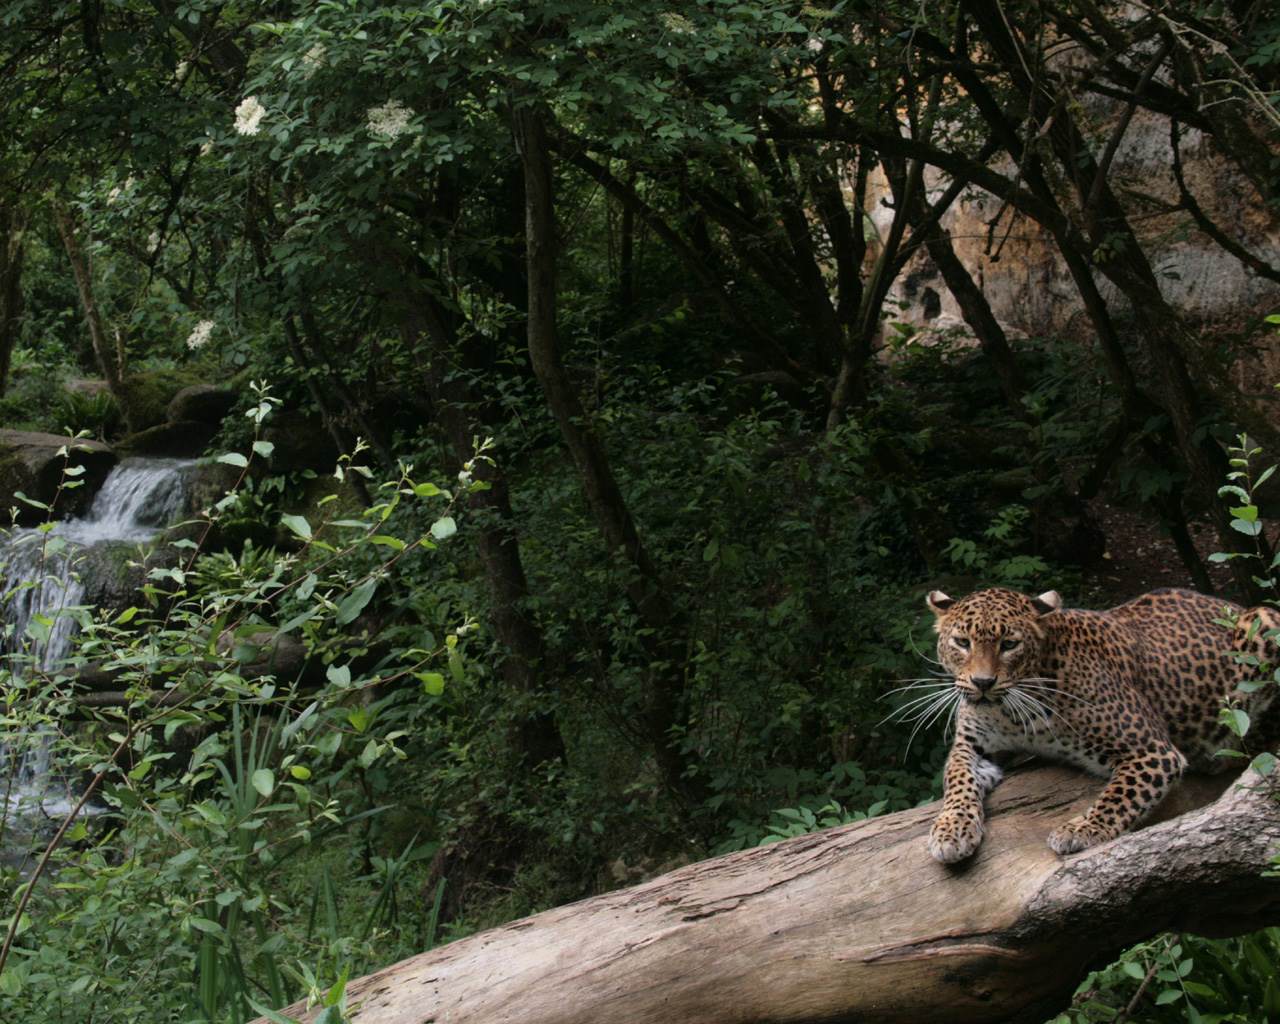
(961, 641)
(1009, 644)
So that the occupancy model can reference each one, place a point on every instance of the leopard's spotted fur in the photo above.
(1132, 693)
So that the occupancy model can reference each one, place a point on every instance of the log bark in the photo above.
(857, 923)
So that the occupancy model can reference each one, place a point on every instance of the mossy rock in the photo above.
(203, 403)
(184, 440)
(149, 392)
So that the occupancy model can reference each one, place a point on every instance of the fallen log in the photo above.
(858, 923)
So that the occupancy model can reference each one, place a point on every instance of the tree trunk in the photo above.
(647, 591)
(857, 923)
(108, 355)
(523, 648)
(12, 229)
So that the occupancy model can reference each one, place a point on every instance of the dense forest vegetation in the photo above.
(597, 389)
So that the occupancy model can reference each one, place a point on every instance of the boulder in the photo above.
(33, 463)
(301, 442)
(147, 394)
(201, 403)
(185, 439)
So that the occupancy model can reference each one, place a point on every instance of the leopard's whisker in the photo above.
(1047, 705)
(936, 684)
(1022, 684)
(908, 712)
(952, 697)
(1014, 703)
(919, 653)
(951, 720)
(1034, 704)
(921, 722)
(919, 711)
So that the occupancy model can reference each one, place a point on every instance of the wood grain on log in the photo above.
(857, 923)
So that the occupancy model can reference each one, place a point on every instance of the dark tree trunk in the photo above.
(523, 649)
(12, 229)
(110, 357)
(647, 591)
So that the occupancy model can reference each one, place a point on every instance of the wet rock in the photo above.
(33, 463)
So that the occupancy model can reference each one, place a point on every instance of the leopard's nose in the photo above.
(983, 683)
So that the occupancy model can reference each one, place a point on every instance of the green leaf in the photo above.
(264, 781)
(203, 924)
(353, 604)
(444, 528)
(1264, 764)
(339, 675)
(383, 540)
(264, 448)
(1169, 995)
(427, 490)
(234, 459)
(125, 616)
(1234, 719)
(1135, 971)
(300, 772)
(1249, 513)
(1248, 528)
(432, 683)
(298, 524)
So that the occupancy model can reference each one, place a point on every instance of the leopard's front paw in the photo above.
(955, 835)
(1078, 834)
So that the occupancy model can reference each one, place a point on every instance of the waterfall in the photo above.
(44, 587)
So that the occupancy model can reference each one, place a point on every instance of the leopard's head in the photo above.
(992, 639)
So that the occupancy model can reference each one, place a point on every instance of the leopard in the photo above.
(1134, 694)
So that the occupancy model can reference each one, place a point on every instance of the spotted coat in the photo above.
(1133, 693)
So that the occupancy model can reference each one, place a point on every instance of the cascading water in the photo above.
(44, 585)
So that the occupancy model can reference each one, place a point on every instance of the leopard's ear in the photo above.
(1049, 601)
(938, 602)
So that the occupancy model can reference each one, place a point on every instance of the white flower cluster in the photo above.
(200, 334)
(313, 60)
(119, 190)
(391, 120)
(153, 241)
(814, 44)
(677, 23)
(249, 114)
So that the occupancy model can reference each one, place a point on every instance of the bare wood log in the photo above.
(858, 924)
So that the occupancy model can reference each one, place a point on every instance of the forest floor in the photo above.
(1140, 557)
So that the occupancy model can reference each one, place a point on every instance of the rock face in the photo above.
(33, 463)
(201, 403)
(1019, 270)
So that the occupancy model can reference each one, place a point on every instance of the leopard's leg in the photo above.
(1136, 785)
(966, 779)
